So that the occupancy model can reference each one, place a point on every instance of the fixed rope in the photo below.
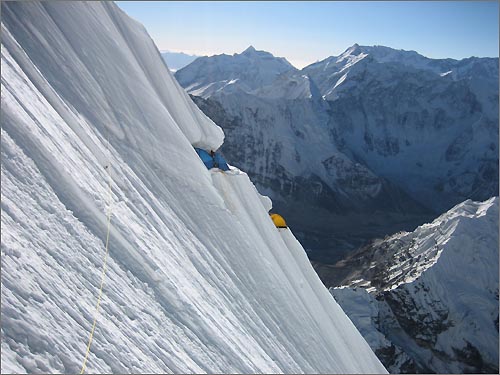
(104, 267)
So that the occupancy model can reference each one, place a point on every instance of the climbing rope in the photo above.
(104, 267)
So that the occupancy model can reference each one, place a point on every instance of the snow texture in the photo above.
(199, 279)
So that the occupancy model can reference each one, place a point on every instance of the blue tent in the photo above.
(217, 161)
(205, 157)
(220, 162)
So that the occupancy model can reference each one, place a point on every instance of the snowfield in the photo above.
(198, 279)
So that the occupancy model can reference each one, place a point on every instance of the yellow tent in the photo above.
(278, 220)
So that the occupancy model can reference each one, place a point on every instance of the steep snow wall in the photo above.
(199, 279)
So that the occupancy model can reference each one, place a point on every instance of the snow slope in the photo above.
(290, 85)
(198, 278)
(427, 301)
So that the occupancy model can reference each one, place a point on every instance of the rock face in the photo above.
(427, 301)
(359, 145)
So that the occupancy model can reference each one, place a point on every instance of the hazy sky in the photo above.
(305, 32)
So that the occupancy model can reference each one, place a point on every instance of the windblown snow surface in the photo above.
(198, 279)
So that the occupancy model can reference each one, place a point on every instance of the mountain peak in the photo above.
(353, 50)
(249, 50)
(248, 70)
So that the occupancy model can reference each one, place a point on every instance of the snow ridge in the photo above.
(428, 300)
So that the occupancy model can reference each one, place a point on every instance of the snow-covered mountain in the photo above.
(246, 71)
(427, 301)
(375, 136)
(177, 60)
(429, 126)
(198, 277)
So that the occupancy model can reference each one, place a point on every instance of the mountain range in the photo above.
(359, 145)
(177, 60)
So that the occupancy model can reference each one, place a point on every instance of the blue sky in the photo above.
(305, 32)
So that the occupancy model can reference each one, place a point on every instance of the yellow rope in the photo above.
(103, 276)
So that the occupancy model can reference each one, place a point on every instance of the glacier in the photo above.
(198, 279)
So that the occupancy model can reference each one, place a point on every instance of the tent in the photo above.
(220, 162)
(205, 157)
(278, 220)
(217, 161)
